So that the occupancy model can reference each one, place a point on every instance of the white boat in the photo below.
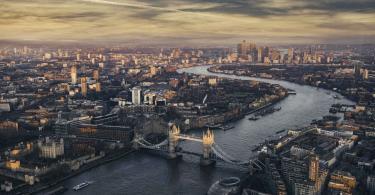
(81, 185)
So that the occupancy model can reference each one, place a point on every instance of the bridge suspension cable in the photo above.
(226, 157)
(144, 143)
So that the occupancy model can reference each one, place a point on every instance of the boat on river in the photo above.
(227, 127)
(82, 185)
(267, 111)
(253, 118)
(213, 126)
(336, 97)
(278, 132)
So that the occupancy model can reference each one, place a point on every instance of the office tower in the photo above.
(275, 56)
(260, 55)
(290, 55)
(266, 52)
(136, 95)
(73, 74)
(95, 75)
(357, 69)
(365, 74)
(241, 48)
(98, 87)
(78, 57)
(84, 86)
(246, 48)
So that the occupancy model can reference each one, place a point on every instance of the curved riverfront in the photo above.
(141, 173)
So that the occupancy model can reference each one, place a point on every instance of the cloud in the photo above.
(78, 16)
(217, 22)
(131, 5)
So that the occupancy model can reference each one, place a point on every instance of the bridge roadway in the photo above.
(189, 137)
(211, 152)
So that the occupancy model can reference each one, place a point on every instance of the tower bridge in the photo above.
(211, 152)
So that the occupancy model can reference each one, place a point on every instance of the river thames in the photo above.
(141, 173)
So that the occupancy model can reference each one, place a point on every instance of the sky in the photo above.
(188, 22)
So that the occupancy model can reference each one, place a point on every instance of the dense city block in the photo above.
(64, 111)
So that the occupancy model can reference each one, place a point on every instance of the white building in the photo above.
(50, 148)
(136, 95)
(370, 183)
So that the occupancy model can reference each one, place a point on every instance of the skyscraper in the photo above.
(260, 55)
(266, 52)
(357, 69)
(365, 74)
(136, 95)
(84, 86)
(73, 74)
(95, 75)
(290, 55)
(275, 56)
(246, 48)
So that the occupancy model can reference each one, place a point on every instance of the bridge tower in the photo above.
(173, 138)
(208, 141)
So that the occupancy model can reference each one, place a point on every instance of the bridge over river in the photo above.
(146, 174)
(211, 152)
